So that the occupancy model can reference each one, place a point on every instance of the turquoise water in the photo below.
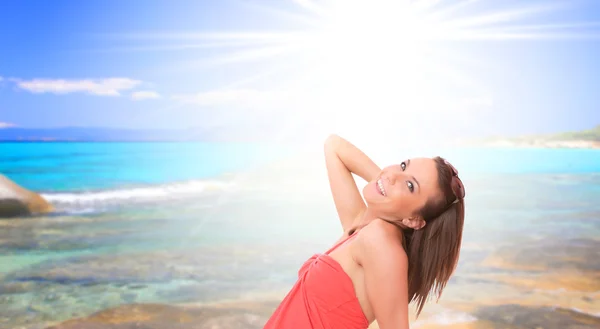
(179, 222)
(51, 167)
(142, 179)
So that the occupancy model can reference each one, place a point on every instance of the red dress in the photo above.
(322, 298)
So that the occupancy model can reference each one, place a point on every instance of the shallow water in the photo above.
(531, 237)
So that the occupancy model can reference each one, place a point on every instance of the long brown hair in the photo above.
(433, 251)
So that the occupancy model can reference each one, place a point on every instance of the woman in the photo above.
(398, 247)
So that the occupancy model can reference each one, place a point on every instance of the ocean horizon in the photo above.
(205, 223)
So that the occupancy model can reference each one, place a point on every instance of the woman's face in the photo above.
(401, 190)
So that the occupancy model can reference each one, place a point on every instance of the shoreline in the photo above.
(538, 144)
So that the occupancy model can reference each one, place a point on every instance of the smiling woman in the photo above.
(400, 244)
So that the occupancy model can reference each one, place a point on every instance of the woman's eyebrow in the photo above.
(413, 177)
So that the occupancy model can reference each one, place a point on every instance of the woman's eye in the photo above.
(411, 187)
(403, 165)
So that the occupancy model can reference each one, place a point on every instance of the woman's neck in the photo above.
(369, 215)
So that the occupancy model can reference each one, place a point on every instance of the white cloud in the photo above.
(99, 87)
(6, 125)
(146, 94)
(232, 97)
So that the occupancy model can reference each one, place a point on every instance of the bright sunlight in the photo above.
(339, 65)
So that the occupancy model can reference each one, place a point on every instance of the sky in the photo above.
(379, 68)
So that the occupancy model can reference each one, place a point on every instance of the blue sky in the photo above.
(451, 66)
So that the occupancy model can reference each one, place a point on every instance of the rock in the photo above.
(521, 317)
(573, 281)
(572, 265)
(18, 201)
(10, 288)
(159, 316)
(572, 254)
(512, 316)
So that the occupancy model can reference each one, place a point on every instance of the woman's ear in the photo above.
(416, 223)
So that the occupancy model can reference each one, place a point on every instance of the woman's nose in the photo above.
(396, 176)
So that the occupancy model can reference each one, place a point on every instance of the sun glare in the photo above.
(382, 36)
(351, 63)
(371, 57)
(374, 23)
(387, 74)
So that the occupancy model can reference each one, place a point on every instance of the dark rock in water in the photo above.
(9, 288)
(525, 317)
(158, 316)
(18, 201)
(13, 208)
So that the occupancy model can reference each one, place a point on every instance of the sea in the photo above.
(208, 224)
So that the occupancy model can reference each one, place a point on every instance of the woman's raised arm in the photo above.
(344, 159)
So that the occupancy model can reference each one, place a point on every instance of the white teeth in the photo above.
(380, 186)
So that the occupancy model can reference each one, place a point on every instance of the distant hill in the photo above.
(589, 138)
(587, 135)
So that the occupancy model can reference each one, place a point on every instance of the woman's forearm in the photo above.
(353, 158)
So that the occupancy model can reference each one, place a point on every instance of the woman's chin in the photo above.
(369, 196)
(371, 192)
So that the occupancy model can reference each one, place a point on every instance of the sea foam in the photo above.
(78, 202)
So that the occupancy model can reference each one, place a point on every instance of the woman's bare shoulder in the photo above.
(385, 271)
(380, 237)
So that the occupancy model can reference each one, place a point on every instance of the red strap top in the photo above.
(322, 298)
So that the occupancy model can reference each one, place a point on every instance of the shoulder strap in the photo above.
(341, 242)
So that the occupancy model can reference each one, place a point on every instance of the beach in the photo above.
(189, 235)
